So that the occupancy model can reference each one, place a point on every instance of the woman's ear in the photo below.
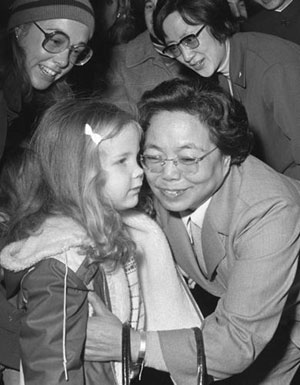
(18, 32)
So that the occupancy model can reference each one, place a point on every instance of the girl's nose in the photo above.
(138, 172)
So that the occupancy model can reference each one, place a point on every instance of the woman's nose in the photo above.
(170, 170)
(187, 53)
(62, 58)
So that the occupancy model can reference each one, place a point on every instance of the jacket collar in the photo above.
(218, 219)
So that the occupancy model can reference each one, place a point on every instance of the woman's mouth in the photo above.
(48, 72)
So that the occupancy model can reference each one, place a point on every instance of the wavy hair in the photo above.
(225, 118)
(215, 14)
(13, 63)
(62, 175)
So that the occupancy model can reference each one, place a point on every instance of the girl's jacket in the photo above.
(53, 297)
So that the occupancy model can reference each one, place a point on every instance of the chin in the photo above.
(174, 206)
(41, 86)
(39, 83)
(206, 73)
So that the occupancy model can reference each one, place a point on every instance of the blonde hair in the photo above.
(69, 180)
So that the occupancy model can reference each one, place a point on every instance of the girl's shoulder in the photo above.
(140, 221)
(59, 238)
(142, 228)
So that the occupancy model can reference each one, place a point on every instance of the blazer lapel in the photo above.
(213, 248)
(217, 221)
(180, 243)
(215, 230)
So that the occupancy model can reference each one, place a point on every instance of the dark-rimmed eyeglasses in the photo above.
(190, 41)
(58, 41)
(187, 165)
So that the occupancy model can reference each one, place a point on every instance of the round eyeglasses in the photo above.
(57, 41)
(190, 41)
(187, 165)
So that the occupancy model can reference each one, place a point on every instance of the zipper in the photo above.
(106, 301)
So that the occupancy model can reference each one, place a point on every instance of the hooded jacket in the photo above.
(57, 276)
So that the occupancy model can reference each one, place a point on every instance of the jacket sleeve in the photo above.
(282, 96)
(44, 348)
(9, 333)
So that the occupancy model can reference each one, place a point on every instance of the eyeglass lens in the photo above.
(57, 42)
(157, 165)
(190, 41)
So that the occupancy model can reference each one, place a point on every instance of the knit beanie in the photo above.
(27, 11)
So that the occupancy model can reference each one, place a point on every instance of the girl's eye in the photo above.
(122, 160)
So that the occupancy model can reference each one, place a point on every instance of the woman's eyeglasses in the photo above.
(187, 165)
(57, 41)
(190, 41)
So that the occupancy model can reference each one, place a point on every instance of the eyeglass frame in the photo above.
(70, 47)
(177, 45)
(175, 161)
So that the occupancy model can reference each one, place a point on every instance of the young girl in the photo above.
(71, 231)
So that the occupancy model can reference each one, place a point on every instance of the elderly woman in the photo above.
(233, 224)
(44, 41)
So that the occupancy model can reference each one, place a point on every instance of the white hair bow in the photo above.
(96, 138)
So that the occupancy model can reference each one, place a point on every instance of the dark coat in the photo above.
(265, 76)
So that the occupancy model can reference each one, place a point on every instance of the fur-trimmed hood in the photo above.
(168, 304)
(56, 236)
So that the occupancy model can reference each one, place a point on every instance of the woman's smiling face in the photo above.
(210, 54)
(45, 68)
(179, 134)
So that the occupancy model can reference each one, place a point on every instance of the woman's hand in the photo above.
(104, 333)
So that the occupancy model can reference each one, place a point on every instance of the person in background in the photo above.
(259, 70)
(139, 65)
(127, 24)
(238, 9)
(233, 224)
(44, 41)
(276, 17)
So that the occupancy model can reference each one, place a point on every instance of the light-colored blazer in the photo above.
(251, 243)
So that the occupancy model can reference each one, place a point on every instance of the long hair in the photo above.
(224, 117)
(13, 64)
(215, 14)
(62, 175)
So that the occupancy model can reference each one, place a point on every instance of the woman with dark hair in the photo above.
(43, 42)
(233, 224)
(259, 70)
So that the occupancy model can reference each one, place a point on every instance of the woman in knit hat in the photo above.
(46, 38)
